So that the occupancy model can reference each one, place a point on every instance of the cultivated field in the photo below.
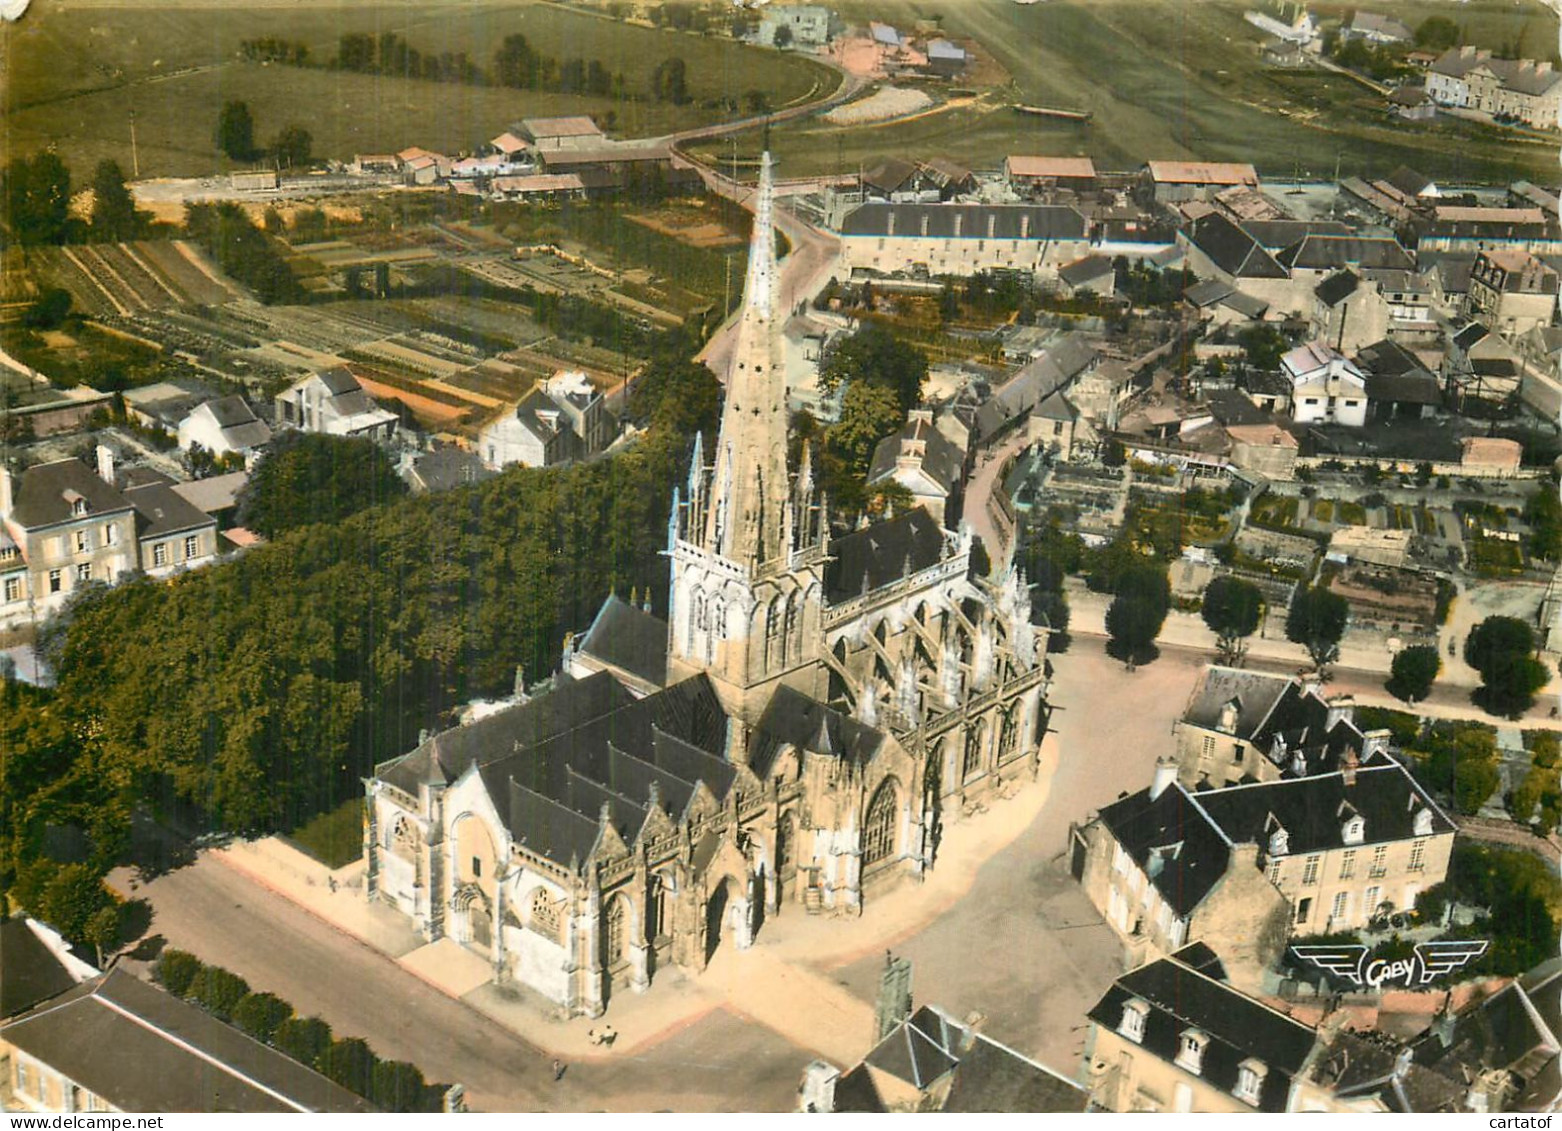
(1176, 78)
(74, 74)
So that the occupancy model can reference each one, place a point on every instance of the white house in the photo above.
(333, 402)
(1326, 388)
(559, 420)
(224, 425)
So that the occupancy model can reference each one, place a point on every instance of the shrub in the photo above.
(305, 1039)
(1545, 748)
(350, 1063)
(219, 991)
(260, 1014)
(176, 969)
(398, 1086)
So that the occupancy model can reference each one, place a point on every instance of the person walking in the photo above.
(558, 1070)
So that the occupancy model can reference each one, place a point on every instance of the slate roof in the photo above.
(793, 719)
(142, 1049)
(940, 459)
(218, 493)
(163, 510)
(1086, 270)
(1231, 408)
(1326, 252)
(47, 491)
(1190, 853)
(1238, 1027)
(1406, 179)
(855, 1092)
(1310, 809)
(447, 467)
(869, 559)
(1276, 234)
(976, 221)
(1208, 293)
(889, 174)
(1337, 287)
(29, 971)
(1231, 249)
(1370, 1066)
(1518, 1029)
(630, 639)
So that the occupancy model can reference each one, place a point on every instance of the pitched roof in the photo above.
(630, 639)
(48, 493)
(30, 972)
(142, 1049)
(889, 174)
(1231, 248)
(1372, 1065)
(577, 125)
(793, 719)
(1320, 252)
(164, 511)
(1239, 1027)
(1085, 270)
(939, 458)
(1172, 841)
(1276, 234)
(865, 560)
(1337, 287)
(1069, 168)
(241, 428)
(218, 493)
(1202, 173)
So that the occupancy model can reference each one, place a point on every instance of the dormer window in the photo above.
(1190, 1050)
(1250, 1078)
(1354, 829)
(1423, 823)
(1135, 1011)
(1279, 841)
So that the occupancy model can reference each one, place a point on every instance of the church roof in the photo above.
(630, 639)
(793, 719)
(866, 560)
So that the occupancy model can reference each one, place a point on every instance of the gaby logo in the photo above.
(1431, 960)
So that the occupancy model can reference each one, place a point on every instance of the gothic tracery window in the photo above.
(543, 915)
(791, 643)
(615, 926)
(1009, 732)
(878, 830)
(974, 739)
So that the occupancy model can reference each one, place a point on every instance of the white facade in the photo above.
(1326, 388)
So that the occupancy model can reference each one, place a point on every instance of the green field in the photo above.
(73, 75)
(1177, 79)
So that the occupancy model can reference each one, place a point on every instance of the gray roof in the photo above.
(1255, 694)
(1337, 287)
(48, 493)
(630, 639)
(241, 428)
(338, 380)
(940, 459)
(218, 493)
(1082, 271)
(29, 971)
(1325, 252)
(868, 559)
(1231, 248)
(447, 467)
(1275, 234)
(142, 1049)
(975, 221)
(796, 720)
(1208, 293)
(162, 510)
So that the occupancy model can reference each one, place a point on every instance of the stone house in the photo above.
(561, 419)
(333, 402)
(923, 461)
(962, 239)
(1511, 292)
(224, 426)
(1326, 387)
(1349, 312)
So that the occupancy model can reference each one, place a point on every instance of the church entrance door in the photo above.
(716, 915)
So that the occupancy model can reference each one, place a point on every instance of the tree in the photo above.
(670, 82)
(1136, 614)
(218, 990)
(1316, 621)
(1543, 514)
(1412, 672)
(102, 931)
(355, 52)
(305, 1039)
(398, 1086)
(757, 101)
(1502, 650)
(52, 307)
(36, 198)
(783, 37)
(293, 147)
(350, 1063)
(1231, 608)
(1263, 346)
(873, 354)
(869, 412)
(1437, 33)
(236, 131)
(675, 391)
(260, 1014)
(114, 216)
(307, 478)
(176, 970)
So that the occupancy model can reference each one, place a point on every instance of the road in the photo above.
(978, 492)
(720, 1063)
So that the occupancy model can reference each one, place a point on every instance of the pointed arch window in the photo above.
(1009, 732)
(878, 830)
(775, 642)
(792, 644)
(615, 928)
(975, 739)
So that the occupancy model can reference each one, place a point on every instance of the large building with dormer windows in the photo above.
(791, 739)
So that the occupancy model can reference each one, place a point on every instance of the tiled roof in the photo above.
(164, 511)
(1202, 173)
(966, 221)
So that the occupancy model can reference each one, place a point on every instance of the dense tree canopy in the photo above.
(1316, 621)
(1502, 650)
(114, 215)
(36, 196)
(1543, 513)
(242, 250)
(1412, 672)
(305, 478)
(1231, 608)
(1137, 612)
(293, 147)
(236, 131)
(876, 356)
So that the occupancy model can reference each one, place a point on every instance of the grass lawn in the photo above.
(1323, 510)
(335, 838)
(1353, 514)
(74, 73)
(1168, 79)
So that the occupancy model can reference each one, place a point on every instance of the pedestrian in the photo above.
(558, 1070)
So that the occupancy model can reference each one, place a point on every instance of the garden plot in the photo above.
(881, 106)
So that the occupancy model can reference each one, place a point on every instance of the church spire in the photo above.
(746, 519)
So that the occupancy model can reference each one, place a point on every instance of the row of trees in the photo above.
(390, 1085)
(35, 193)
(242, 250)
(235, 136)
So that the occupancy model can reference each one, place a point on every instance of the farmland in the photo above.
(1174, 78)
(75, 73)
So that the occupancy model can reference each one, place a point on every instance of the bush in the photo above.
(219, 991)
(305, 1039)
(350, 1063)
(176, 970)
(1545, 748)
(260, 1014)
(399, 1086)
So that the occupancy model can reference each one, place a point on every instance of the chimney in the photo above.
(889, 229)
(1165, 774)
(1341, 708)
(1375, 742)
(106, 464)
(924, 225)
(1348, 765)
(959, 224)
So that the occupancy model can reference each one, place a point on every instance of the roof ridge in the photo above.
(1229, 988)
(1214, 824)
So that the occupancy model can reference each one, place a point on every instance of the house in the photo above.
(947, 178)
(1376, 28)
(1093, 274)
(1470, 228)
(424, 169)
(1174, 1035)
(538, 187)
(510, 147)
(1490, 455)
(1326, 387)
(546, 134)
(1515, 89)
(1511, 291)
(1409, 297)
(117, 1044)
(171, 532)
(224, 426)
(166, 404)
(924, 462)
(931, 1062)
(1242, 726)
(1349, 312)
(1285, 53)
(1412, 103)
(895, 180)
(1035, 175)
(1399, 386)
(1482, 373)
(1054, 369)
(1056, 425)
(946, 59)
(67, 526)
(1317, 255)
(1251, 864)
(217, 496)
(1265, 449)
(1284, 19)
(441, 469)
(1174, 182)
(962, 239)
(1413, 185)
(375, 164)
(1219, 303)
(1219, 249)
(809, 26)
(333, 402)
(561, 419)
(1523, 194)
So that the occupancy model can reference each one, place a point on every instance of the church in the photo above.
(791, 740)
